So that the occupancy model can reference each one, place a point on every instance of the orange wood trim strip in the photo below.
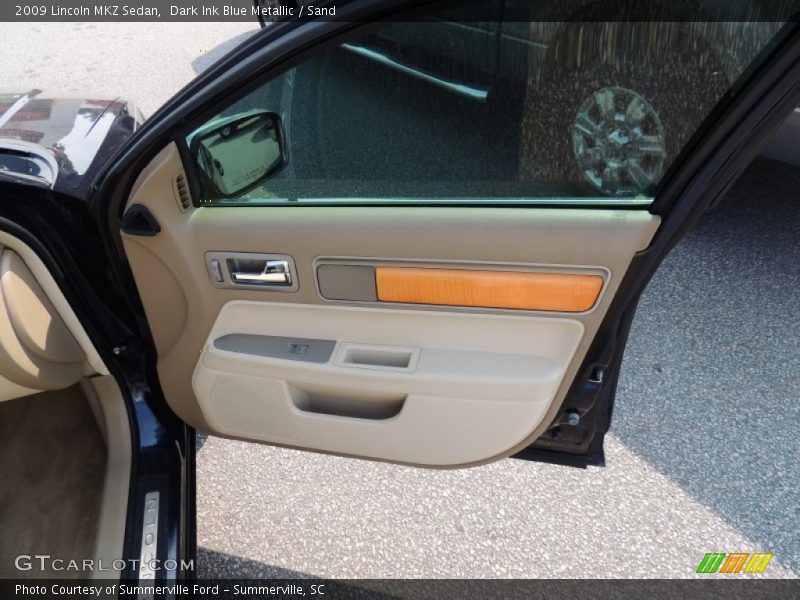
(488, 289)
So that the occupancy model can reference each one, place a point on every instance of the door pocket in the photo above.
(370, 356)
(373, 406)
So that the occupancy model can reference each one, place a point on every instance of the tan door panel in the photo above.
(470, 366)
(395, 386)
(42, 344)
(561, 292)
(33, 318)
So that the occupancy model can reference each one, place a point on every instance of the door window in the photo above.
(478, 111)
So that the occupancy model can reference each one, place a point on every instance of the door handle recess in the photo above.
(275, 272)
(252, 270)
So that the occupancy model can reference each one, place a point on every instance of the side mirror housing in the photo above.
(237, 153)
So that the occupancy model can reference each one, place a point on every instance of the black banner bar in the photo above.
(465, 10)
(714, 587)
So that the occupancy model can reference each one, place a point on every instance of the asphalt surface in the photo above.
(703, 454)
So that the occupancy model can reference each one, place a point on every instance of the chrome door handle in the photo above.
(276, 272)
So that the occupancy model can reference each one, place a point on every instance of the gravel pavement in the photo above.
(703, 454)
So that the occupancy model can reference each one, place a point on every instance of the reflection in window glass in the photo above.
(579, 112)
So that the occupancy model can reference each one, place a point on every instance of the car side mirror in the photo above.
(237, 153)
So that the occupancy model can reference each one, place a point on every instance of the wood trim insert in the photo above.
(562, 292)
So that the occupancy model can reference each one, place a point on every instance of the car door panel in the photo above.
(411, 386)
(448, 287)
(421, 383)
(42, 345)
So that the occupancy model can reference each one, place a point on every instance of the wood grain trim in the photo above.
(560, 292)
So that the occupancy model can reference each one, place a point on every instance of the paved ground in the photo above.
(704, 449)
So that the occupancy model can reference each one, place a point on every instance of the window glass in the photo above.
(465, 108)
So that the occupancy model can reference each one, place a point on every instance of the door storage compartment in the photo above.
(370, 356)
(347, 403)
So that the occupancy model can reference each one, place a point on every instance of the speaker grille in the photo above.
(252, 407)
